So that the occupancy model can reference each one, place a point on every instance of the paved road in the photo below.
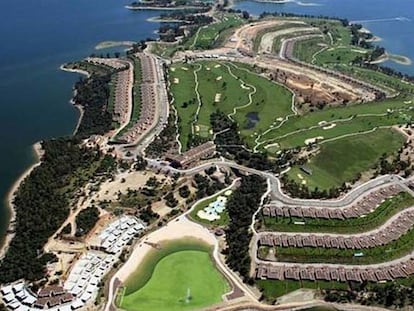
(281, 198)
(347, 266)
(277, 193)
(382, 229)
(274, 189)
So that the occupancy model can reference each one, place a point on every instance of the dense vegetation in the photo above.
(92, 95)
(392, 295)
(374, 219)
(86, 220)
(241, 207)
(165, 141)
(206, 186)
(42, 204)
(231, 145)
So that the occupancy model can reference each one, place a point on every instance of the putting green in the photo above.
(184, 280)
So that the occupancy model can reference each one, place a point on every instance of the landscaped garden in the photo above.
(179, 276)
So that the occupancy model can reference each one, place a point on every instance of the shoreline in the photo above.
(113, 44)
(398, 59)
(159, 19)
(155, 8)
(80, 71)
(37, 151)
(274, 1)
(72, 101)
(81, 113)
(11, 194)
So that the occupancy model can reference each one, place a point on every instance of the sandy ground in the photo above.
(330, 126)
(312, 140)
(174, 230)
(300, 295)
(268, 39)
(133, 180)
(83, 72)
(108, 191)
(37, 148)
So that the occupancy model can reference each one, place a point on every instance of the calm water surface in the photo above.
(393, 21)
(37, 37)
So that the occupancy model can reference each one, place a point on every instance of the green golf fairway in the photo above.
(183, 274)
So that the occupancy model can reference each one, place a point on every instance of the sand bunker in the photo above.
(300, 176)
(172, 69)
(359, 51)
(408, 102)
(217, 97)
(329, 126)
(219, 78)
(279, 119)
(272, 145)
(313, 140)
(196, 128)
(176, 80)
(304, 182)
(322, 123)
(184, 68)
(217, 66)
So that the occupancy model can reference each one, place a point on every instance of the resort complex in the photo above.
(236, 163)
(81, 284)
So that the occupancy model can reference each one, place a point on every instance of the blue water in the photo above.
(38, 36)
(398, 36)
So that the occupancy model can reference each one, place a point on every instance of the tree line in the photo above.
(86, 220)
(92, 94)
(42, 204)
(231, 145)
(241, 206)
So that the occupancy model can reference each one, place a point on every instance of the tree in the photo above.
(245, 15)
(184, 191)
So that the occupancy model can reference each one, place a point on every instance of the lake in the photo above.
(37, 37)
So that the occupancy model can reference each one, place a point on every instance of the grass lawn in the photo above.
(271, 102)
(136, 96)
(221, 88)
(393, 250)
(258, 39)
(305, 49)
(166, 50)
(224, 217)
(376, 78)
(350, 119)
(172, 275)
(185, 100)
(353, 225)
(208, 35)
(93, 69)
(341, 160)
(341, 35)
(344, 55)
(273, 289)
